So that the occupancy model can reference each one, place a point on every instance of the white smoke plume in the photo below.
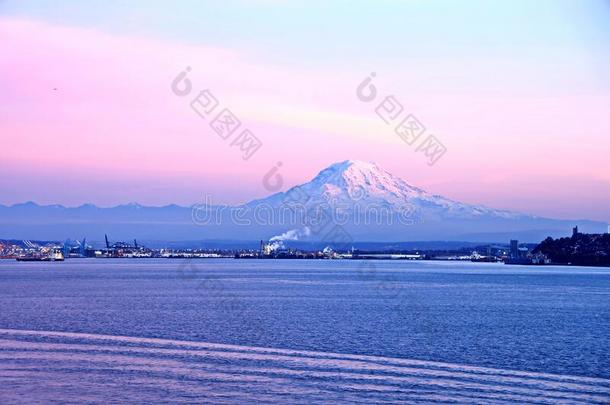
(293, 234)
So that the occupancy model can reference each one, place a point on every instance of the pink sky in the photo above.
(535, 141)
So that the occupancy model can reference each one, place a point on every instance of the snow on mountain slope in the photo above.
(355, 183)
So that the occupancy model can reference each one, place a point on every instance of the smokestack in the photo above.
(107, 244)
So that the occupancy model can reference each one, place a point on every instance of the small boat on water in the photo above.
(54, 256)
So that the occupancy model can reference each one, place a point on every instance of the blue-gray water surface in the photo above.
(291, 331)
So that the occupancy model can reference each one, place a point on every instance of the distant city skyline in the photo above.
(518, 93)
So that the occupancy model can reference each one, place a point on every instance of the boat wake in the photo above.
(38, 365)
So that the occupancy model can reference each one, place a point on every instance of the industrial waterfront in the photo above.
(585, 249)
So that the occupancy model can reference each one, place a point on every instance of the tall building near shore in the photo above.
(514, 249)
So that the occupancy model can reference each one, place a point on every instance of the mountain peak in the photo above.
(133, 205)
(349, 169)
(355, 179)
(27, 204)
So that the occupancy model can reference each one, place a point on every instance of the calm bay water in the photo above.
(301, 331)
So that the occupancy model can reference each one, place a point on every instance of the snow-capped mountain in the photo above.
(372, 204)
(356, 183)
(366, 202)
